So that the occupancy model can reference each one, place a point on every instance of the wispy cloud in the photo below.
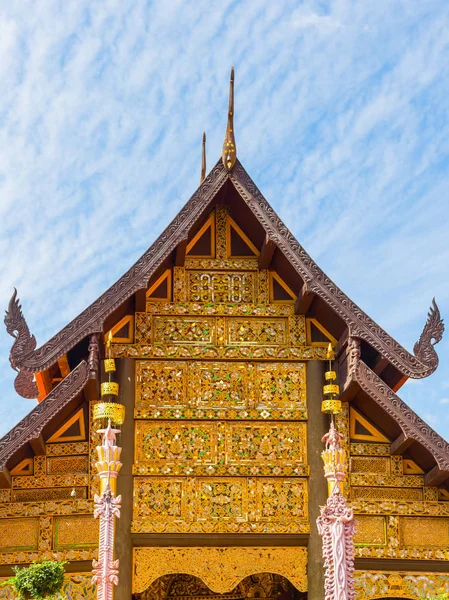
(341, 119)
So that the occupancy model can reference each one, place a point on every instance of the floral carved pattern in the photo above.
(221, 569)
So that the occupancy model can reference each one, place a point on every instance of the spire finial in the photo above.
(229, 150)
(203, 159)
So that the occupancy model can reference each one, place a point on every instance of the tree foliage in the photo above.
(40, 581)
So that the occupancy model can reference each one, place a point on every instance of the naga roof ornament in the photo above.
(431, 334)
(24, 344)
(203, 159)
(229, 153)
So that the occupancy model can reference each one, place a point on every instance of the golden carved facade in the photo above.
(397, 516)
(47, 513)
(370, 585)
(221, 569)
(220, 407)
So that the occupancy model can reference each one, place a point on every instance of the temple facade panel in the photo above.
(397, 515)
(220, 569)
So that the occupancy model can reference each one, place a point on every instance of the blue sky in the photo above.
(341, 119)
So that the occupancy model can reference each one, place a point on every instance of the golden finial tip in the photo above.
(229, 153)
(330, 352)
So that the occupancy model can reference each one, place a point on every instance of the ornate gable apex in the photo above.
(358, 328)
(315, 283)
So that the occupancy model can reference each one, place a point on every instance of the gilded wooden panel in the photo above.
(280, 385)
(206, 352)
(424, 532)
(221, 569)
(214, 386)
(19, 535)
(5, 496)
(163, 443)
(188, 330)
(220, 448)
(220, 504)
(67, 448)
(49, 481)
(33, 509)
(75, 532)
(220, 385)
(197, 308)
(411, 538)
(374, 584)
(266, 443)
(46, 494)
(360, 449)
(161, 384)
(400, 507)
(221, 287)
(67, 464)
(368, 464)
(256, 332)
(371, 531)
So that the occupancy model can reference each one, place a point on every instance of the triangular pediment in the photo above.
(72, 430)
(362, 430)
(253, 232)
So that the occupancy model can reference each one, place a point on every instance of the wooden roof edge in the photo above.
(412, 426)
(32, 425)
(25, 357)
(421, 364)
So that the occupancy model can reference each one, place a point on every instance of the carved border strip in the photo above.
(411, 425)
(221, 569)
(31, 426)
(316, 280)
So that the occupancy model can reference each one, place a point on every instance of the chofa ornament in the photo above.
(431, 334)
(24, 344)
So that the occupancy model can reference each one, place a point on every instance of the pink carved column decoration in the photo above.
(336, 524)
(107, 507)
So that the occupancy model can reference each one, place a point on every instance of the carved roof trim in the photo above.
(92, 318)
(359, 323)
(31, 426)
(411, 424)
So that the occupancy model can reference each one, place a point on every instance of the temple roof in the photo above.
(314, 283)
(371, 362)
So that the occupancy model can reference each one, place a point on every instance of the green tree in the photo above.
(40, 581)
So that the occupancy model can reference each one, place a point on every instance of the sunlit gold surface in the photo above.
(221, 569)
(109, 410)
(375, 584)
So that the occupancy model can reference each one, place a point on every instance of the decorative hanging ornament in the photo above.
(331, 403)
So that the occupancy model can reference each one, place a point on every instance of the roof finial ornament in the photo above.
(203, 159)
(229, 150)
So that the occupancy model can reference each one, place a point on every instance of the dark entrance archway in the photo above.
(266, 586)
